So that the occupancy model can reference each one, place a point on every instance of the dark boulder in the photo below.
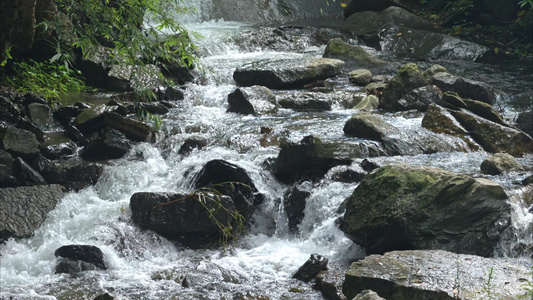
(524, 122)
(367, 5)
(369, 165)
(64, 114)
(109, 144)
(25, 174)
(40, 114)
(18, 142)
(419, 98)
(195, 220)
(24, 209)
(402, 207)
(73, 175)
(254, 100)
(349, 175)
(230, 180)
(238, 103)
(155, 108)
(311, 268)
(78, 258)
(436, 275)
(190, 144)
(305, 104)
(310, 159)
(287, 74)
(294, 205)
(369, 126)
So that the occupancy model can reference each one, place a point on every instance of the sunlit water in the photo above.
(143, 265)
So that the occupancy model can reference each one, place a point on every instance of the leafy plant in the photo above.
(523, 3)
(528, 287)
(46, 78)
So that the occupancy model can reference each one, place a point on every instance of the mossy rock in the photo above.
(402, 207)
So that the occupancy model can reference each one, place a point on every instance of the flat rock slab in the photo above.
(436, 275)
(24, 209)
(287, 74)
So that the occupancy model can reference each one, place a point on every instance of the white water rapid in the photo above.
(143, 265)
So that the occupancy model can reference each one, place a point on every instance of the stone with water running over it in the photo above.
(287, 74)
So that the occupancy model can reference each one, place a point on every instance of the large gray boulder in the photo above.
(402, 207)
(437, 275)
(24, 209)
(287, 74)
(524, 121)
(369, 126)
(195, 220)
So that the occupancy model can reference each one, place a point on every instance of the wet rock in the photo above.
(25, 174)
(500, 163)
(287, 74)
(424, 44)
(408, 78)
(368, 295)
(375, 88)
(311, 268)
(171, 93)
(24, 209)
(370, 102)
(94, 119)
(435, 274)
(439, 120)
(434, 69)
(419, 99)
(230, 180)
(339, 49)
(190, 144)
(124, 78)
(368, 126)
(401, 207)
(524, 122)
(155, 108)
(329, 281)
(466, 88)
(12, 116)
(105, 296)
(349, 175)
(73, 175)
(366, 5)
(255, 100)
(369, 165)
(184, 218)
(109, 144)
(484, 110)
(494, 137)
(310, 159)
(6, 159)
(527, 180)
(40, 114)
(7, 178)
(18, 142)
(305, 103)
(369, 23)
(78, 258)
(360, 77)
(57, 151)
(294, 204)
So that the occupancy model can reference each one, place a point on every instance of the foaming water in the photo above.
(143, 265)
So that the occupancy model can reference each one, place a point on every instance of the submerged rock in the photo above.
(500, 163)
(402, 207)
(310, 159)
(436, 275)
(24, 209)
(190, 144)
(287, 74)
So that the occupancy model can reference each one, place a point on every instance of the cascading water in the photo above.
(143, 265)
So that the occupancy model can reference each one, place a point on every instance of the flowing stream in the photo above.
(143, 265)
